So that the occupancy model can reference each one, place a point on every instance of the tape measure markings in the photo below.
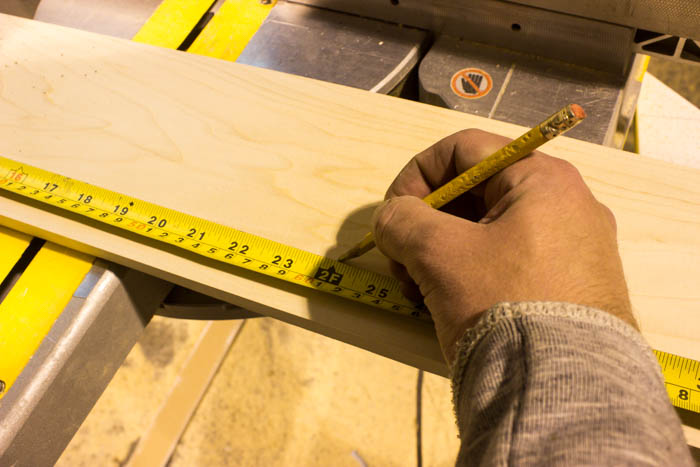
(258, 254)
(208, 239)
(681, 380)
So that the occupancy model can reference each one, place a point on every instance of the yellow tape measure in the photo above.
(207, 238)
(261, 255)
(682, 378)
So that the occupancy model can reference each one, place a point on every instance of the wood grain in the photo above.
(295, 160)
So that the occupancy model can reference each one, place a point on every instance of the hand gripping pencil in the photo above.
(557, 124)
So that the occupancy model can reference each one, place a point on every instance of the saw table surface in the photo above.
(296, 160)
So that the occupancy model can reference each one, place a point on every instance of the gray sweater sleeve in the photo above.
(560, 384)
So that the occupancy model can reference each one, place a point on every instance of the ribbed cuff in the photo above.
(515, 311)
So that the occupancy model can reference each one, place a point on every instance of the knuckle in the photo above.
(555, 172)
(382, 219)
(401, 226)
(609, 215)
(471, 136)
(565, 169)
(395, 220)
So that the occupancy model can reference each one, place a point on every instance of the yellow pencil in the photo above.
(560, 122)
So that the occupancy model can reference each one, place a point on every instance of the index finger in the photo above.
(443, 161)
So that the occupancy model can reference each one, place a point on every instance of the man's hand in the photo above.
(533, 232)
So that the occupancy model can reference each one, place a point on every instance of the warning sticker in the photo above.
(471, 83)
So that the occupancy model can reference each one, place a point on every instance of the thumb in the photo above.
(406, 229)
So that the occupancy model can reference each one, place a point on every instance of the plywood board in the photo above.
(295, 160)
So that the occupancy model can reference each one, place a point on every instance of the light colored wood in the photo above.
(157, 444)
(692, 435)
(295, 160)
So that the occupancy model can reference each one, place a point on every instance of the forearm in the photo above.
(553, 383)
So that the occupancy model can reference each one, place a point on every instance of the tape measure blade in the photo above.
(193, 234)
(681, 380)
(259, 254)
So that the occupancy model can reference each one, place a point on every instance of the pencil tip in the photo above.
(344, 258)
(350, 254)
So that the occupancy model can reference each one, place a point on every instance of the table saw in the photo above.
(495, 59)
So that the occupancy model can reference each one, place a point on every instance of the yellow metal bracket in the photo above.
(172, 22)
(231, 28)
(33, 304)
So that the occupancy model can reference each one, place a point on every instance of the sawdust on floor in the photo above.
(125, 410)
(283, 396)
